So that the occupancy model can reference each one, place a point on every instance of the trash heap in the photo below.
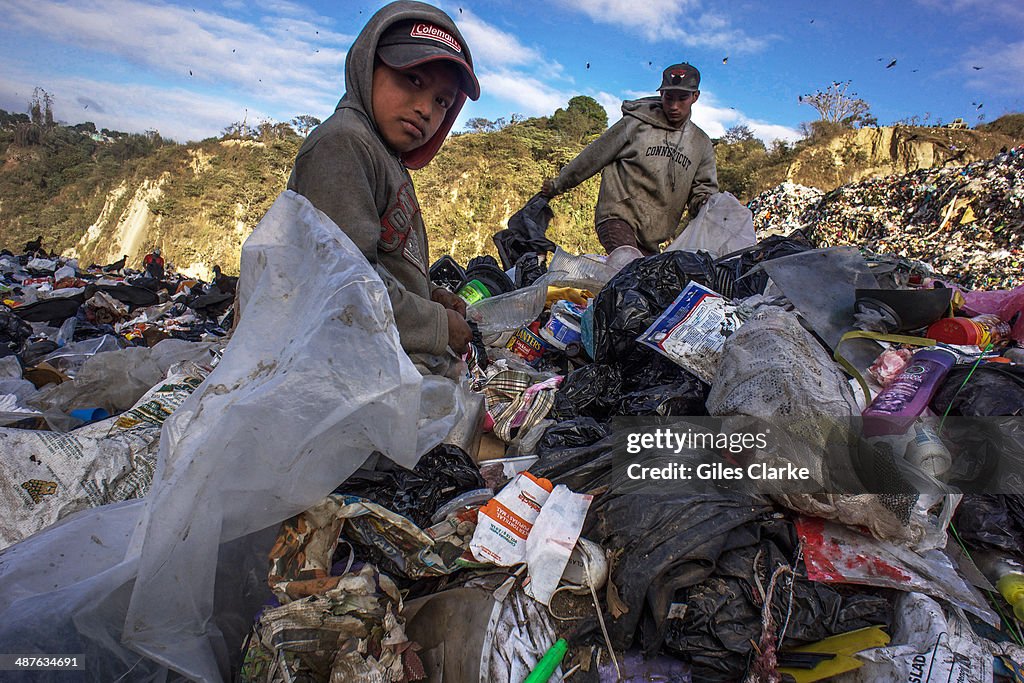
(779, 209)
(84, 388)
(967, 222)
(858, 513)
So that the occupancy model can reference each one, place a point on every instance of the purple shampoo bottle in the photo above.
(896, 408)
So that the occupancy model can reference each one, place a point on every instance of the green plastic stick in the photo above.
(548, 663)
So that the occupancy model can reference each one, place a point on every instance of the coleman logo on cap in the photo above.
(435, 33)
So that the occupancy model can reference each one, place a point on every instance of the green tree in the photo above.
(305, 123)
(582, 118)
(479, 125)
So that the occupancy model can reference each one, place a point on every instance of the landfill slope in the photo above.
(871, 152)
(967, 223)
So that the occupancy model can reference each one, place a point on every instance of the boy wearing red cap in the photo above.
(654, 163)
(407, 75)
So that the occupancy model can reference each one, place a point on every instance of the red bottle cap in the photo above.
(961, 331)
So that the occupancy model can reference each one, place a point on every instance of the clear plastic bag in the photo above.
(313, 381)
(723, 225)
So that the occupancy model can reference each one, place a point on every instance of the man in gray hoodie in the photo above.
(656, 163)
(407, 75)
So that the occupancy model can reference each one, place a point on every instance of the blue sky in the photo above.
(188, 69)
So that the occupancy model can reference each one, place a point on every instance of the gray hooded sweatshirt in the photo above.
(347, 171)
(653, 171)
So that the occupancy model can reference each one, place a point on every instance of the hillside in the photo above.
(98, 197)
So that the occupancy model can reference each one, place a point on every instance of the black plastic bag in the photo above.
(573, 433)
(723, 614)
(130, 295)
(662, 543)
(13, 332)
(992, 522)
(636, 296)
(526, 232)
(685, 397)
(528, 269)
(731, 278)
(439, 476)
(53, 312)
(993, 389)
(590, 391)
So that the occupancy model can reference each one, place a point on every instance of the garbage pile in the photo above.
(784, 463)
(779, 209)
(91, 363)
(967, 222)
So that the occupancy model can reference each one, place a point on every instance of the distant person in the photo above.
(654, 163)
(153, 264)
(34, 246)
(407, 75)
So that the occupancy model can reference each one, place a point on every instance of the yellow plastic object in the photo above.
(1011, 586)
(862, 334)
(577, 296)
(843, 647)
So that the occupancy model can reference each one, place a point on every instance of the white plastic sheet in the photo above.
(45, 476)
(313, 381)
(723, 225)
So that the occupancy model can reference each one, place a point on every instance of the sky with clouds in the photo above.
(189, 69)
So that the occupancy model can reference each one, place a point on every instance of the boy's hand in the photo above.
(450, 301)
(547, 188)
(459, 334)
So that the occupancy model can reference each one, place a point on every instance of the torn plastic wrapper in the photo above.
(552, 539)
(927, 647)
(285, 412)
(838, 554)
(137, 368)
(693, 330)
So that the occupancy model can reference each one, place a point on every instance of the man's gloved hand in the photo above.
(459, 334)
(547, 188)
(450, 301)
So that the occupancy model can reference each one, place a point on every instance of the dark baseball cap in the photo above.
(680, 77)
(410, 43)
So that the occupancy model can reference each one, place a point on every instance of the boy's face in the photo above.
(676, 104)
(409, 105)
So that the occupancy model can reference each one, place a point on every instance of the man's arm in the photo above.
(591, 160)
(705, 180)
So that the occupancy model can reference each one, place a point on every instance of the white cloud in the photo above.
(174, 112)
(612, 105)
(284, 61)
(493, 48)
(677, 20)
(530, 95)
(715, 120)
(979, 9)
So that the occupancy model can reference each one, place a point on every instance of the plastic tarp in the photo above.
(313, 381)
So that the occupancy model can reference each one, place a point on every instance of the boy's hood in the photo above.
(648, 110)
(359, 71)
